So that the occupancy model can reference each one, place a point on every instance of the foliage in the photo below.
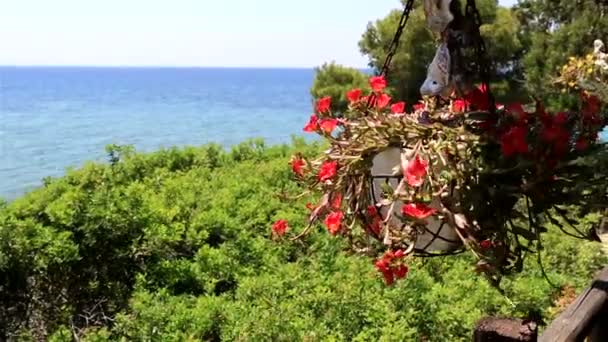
(175, 245)
(552, 31)
(335, 80)
(416, 49)
(584, 74)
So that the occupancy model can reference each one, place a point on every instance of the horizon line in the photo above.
(162, 66)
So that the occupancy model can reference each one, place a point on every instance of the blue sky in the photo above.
(248, 33)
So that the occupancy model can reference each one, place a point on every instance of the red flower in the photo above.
(333, 222)
(328, 125)
(581, 144)
(376, 225)
(554, 133)
(310, 206)
(591, 104)
(312, 124)
(399, 254)
(419, 106)
(280, 227)
(389, 278)
(478, 98)
(401, 271)
(418, 210)
(328, 170)
(354, 95)
(398, 108)
(336, 201)
(518, 112)
(560, 118)
(297, 165)
(372, 211)
(324, 104)
(416, 171)
(514, 141)
(382, 101)
(378, 83)
(459, 106)
(383, 264)
(486, 244)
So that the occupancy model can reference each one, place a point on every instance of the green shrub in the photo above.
(175, 245)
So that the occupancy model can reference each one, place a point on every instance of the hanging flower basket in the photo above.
(452, 175)
(441, 180)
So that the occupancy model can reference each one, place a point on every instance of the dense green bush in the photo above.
(175, 245)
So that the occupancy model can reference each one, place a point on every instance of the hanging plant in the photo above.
(451, 176)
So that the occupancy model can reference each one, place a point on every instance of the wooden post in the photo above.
(578, 320)
(494, 329)
(599, 330)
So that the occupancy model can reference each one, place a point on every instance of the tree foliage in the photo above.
(552, 31)
(335, 80)
(417, 48)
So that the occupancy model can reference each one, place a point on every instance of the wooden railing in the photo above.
(585, 319)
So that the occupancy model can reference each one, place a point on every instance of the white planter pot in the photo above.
(438, 236)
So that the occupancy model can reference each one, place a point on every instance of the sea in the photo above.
(52, 118)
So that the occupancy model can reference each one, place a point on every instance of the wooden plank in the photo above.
(575, 321)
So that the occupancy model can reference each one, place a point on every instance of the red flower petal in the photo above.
(280, 227)
(591, 104)
(517, 110)
(372, 211)
(336, 201)
(389, 278)
(333, 222)
(418, 210)
(382, 265)
(376, 225)
(419, 106)
(399, 254)
(324, 104)
(328, 170)
(328, 125)
(312, 124)
(382, 101)
(401, 271)
(459, 106)
(297, 166)
(581, 144)
(560, 118)
(486, 244)
(354, 95)
(514, 141)
(398, 108)
(478, 98)
(416, 171)
(378, 83)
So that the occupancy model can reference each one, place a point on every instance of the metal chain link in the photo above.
(480, 51)
(397, 38)
(405, 15)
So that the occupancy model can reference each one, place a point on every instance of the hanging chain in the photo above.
(397, 38)
(405, 15)
(480, 51)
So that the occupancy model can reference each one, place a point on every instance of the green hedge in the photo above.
(175, 245)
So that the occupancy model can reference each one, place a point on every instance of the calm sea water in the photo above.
(52, 118)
